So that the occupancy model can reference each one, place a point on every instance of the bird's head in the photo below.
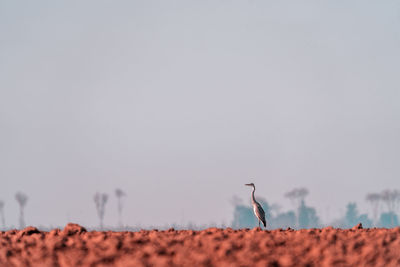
(250, 184)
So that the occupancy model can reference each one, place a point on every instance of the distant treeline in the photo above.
(383, 207)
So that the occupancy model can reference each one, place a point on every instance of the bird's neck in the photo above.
(253, 199)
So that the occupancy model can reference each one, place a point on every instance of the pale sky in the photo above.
(180, 103)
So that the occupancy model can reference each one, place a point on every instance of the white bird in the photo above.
(258, 210)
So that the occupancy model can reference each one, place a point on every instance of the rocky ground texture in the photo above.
(74, 246)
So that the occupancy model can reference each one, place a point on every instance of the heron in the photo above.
(258, 210)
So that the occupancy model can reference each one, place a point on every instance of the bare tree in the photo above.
(374, 199)
(297, 195)
(120, 194)
(22, 199)
(100, 200)
(390, 198)
(3, 220)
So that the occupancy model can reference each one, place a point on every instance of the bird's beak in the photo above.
(247, 184)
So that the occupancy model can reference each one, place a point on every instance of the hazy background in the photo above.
(180, 103)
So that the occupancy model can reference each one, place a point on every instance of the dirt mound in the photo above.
(73, 228)
(30, 230)
(74, 246)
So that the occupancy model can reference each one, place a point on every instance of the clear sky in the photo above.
(180, 103)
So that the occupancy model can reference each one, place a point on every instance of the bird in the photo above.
(258, 210)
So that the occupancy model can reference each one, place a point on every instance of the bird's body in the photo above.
(257, 208)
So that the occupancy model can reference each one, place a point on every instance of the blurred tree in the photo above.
(284, 220)
(297, 195)
(307, 217)
(3, 220)
(390, 198)
(388, 220)
(100, 201)
(22, 199)
(120, 194)
(243, 216)
(366, 222)
(352, 217)
(374, 199)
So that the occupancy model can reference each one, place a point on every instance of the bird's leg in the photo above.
(259, 223)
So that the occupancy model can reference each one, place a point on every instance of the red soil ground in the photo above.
(74, 246)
